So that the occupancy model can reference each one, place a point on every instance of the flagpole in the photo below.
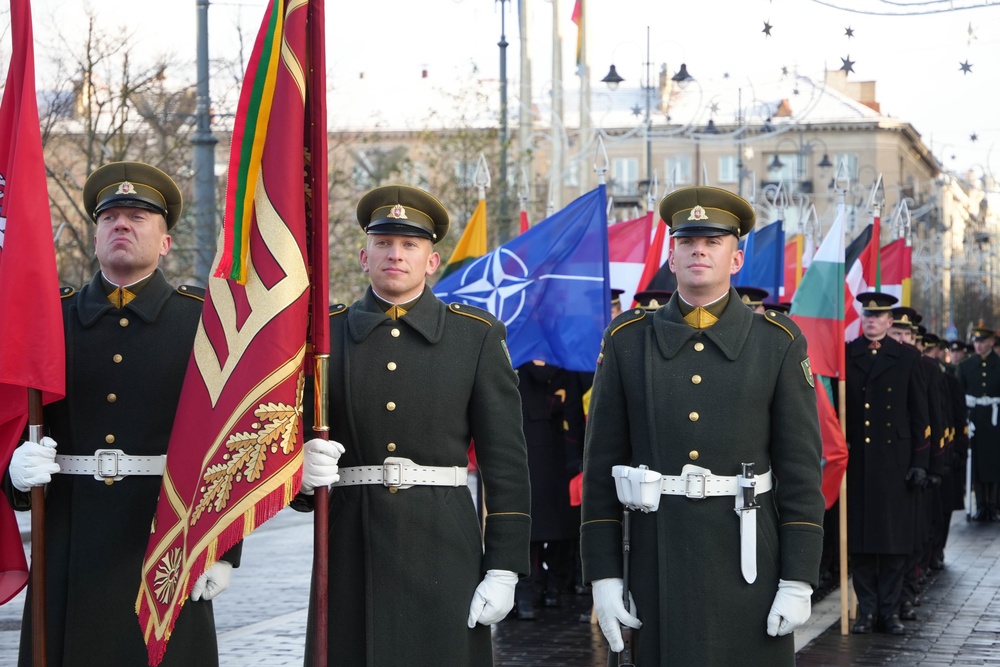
(842, 511)
(38, 657)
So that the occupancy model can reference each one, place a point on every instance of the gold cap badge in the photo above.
(697, 213)
(125, 188)
(397, 213)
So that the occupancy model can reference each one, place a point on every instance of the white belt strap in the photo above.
(698, 483)
(111, 465)
(401, 473)
(974, 401)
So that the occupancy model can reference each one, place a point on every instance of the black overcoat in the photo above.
(666, 395)
(404, 566)
(888, 432)
(980, 377)
(124, 371)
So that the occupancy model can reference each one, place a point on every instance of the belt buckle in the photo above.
(107, 465)
(697, 494)
(392, 474)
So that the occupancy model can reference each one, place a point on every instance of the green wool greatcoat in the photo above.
(124, 371)
(666, 395)
(404, 566)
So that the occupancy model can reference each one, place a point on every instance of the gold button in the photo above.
(699, 346)
(390, 406)
(867, 423)
(693, 455)
(112, 398)
(874, 351)
(391, 365)
(117, 358)
(888, 389)
(867, 440)
(393, 489)
(695, 379)
(109, 438)
(693, 416)
(391, 446)
(123, 322)
(109, 480)
(395, 333)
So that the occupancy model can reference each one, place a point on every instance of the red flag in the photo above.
(33, 352)
(524, 222)
(654, 258)
(234, 458)
(897, 268)
(793, 267)
(834, 444)
(628, 245)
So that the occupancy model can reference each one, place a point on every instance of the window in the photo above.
(625, 175)
(729, 171)
(465, 173)
(679, 170)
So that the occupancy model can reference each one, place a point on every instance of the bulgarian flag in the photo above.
(32, 349)
(235, 457)
(897, 268)
(472, 245)
(818, 306)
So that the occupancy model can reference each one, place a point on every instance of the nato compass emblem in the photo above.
(489, 284)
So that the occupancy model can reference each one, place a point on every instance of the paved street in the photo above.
(261, 618)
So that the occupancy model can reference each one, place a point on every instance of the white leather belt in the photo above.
(111, 465)
(696, 484)
(974, 401)
(401, 473)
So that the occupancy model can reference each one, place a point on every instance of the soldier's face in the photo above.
(875, 325)
(901, 335)
(983, 346)
(130, 241)
(703, 265)
(399, 265)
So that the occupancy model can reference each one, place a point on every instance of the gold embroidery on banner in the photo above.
(247, 455)
(167, 571)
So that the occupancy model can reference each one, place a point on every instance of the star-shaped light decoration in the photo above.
(636, 111)
(849, 31)
(713, 108)
(965, 67)
(973, 137)
(784, 70)
(848, 65)
(767, 29)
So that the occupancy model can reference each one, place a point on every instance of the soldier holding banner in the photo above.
(412, 578)
(129, 336)
(704, 407)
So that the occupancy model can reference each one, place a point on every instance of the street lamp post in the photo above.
(503, 124)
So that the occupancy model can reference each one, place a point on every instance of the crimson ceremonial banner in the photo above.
(234, 458)
(32, 349)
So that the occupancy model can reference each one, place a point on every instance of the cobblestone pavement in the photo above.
(261, 618)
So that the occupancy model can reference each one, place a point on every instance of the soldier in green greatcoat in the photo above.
(694, 391)
(413, 580)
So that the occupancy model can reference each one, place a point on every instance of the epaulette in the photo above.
(192, 291)
(626, 318)
(784, 322)
(337, 309)
(66, 292)
(473, 312)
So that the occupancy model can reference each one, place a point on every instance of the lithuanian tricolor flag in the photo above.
(472, 245)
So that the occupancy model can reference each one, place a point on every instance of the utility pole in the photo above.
(204, 160)
(505, 232)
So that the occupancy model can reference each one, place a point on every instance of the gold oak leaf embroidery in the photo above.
(167, 571)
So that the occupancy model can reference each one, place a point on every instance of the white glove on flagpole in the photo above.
(608, 596)
(213, 581)
(33, 464)
(319, 464)
(791, 608)
(493, 599)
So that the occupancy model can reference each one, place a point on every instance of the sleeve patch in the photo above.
(808, 372)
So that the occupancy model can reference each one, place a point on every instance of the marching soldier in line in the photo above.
(957, 352)
(888, 433)
(413, 579)
(718, 404)
(979, 377)
(652, 299)
(616, 302)
(129, 336)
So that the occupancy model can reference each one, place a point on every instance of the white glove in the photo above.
(611, 611)
(213, 581)
(791, 608)
(493, 599)
(33, 464)
(319, 464)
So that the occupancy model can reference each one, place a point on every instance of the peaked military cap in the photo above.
(706, 211)
(982, 333)
(782, 307)
(752, 296)
(904, 317)
(651, 299)
(403, 210)
(932, 339)
(957, 345)
(876, 302)
(616, 295)
(134, 184)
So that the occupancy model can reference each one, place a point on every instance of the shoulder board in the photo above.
(192, 291)
(338, 309)
(784, 322)
(626, 318)
(66, 292)
(473, 312)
